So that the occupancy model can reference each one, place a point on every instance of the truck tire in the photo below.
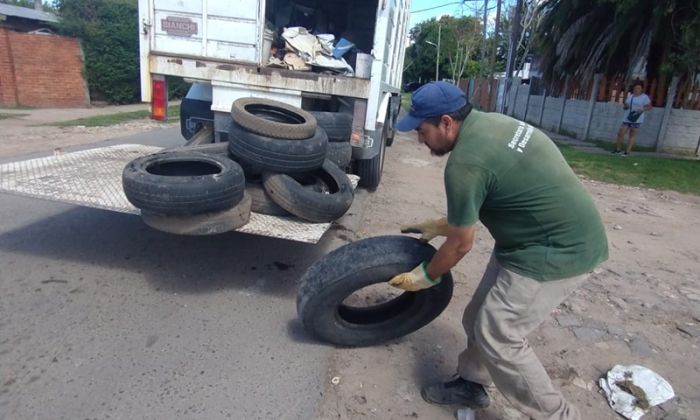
(338, 125)
(370, 170)
(329, 281)
(312, 204)
(262, 203)
(340, 154)
(183, 183)
(273, 119)
(277, 155)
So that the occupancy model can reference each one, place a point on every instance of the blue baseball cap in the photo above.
(432, 100)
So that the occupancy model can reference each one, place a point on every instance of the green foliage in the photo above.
(460, 40)
(581, 38)
(108, 30)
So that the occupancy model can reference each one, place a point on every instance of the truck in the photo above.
(224, 48)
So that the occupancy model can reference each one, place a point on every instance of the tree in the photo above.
(108, 30)
(581, 38)
(459, 41)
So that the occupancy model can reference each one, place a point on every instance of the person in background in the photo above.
(548, 238)
(635, 106)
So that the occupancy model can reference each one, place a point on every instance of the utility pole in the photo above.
(514, 37)
(512, 52)
(483, 41)
(437, 61)
(496, 35)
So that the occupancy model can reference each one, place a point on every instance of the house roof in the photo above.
(27, 13)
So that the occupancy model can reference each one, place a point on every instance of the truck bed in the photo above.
(93, 178)
(222, 72)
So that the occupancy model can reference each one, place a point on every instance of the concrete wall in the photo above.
(552, 112)
(683, 131)
(575, 115)
(681, 134)
(533, 110)
(520, 101)
(40, 70)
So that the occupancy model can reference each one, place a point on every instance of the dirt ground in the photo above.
(632, 311)
(23, 132)
(640, 307)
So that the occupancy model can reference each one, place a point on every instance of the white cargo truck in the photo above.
(224, 47)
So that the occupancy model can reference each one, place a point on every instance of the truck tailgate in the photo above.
(93, 178)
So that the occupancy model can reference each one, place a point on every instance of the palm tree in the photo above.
(582, 37)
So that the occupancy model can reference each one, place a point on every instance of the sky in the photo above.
(450, 7)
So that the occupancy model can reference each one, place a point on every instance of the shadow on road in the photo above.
(169, 263)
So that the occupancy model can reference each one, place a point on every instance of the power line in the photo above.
(444, 5)
(437, 7)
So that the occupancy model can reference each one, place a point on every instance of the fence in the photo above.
(594, 111)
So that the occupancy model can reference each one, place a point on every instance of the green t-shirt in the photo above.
(513, 178)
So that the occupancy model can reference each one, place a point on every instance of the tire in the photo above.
(220, 149)
(370, 170)
(337, 275)
(312, 204)
(183, 183)
(276, 155)
(340, 154)
(213, 223)
(273, 119)
(262, 203)
(338, 125)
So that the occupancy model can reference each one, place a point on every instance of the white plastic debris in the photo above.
(335, 380)
(622, 382)
(316, 50)
(466, 414)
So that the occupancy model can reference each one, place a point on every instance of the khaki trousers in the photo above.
(505, 308)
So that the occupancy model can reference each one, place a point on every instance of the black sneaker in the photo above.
(625, 154)
(456, 392)
(616, 152)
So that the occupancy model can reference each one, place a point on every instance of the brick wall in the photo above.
(40, 71)
(8, 91)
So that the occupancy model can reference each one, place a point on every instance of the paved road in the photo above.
(103, 317)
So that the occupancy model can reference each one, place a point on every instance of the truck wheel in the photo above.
(312, 204)
(262, 203)
(338, 125)
(370, 170)
(322, 299)
(340, 154)
(273, 119)
(277, 155)
(183, 183)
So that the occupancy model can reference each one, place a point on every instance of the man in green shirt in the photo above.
(548, 238)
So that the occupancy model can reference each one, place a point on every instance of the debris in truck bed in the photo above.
(314, 50)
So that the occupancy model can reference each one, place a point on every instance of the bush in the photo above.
(108, 30)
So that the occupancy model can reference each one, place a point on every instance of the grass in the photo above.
(8, 115)
(651, 172)
(405, 101)
(112, 119)
(610, 145)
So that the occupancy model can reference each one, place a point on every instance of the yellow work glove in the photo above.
(415, 280)
(428, 229)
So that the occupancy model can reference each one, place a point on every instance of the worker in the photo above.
(548, 238)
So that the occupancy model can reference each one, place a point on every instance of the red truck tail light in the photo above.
(159, 102)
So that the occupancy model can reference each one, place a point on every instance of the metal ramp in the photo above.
(93, 178)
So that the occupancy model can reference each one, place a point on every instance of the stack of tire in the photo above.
(277, 155)
(290, 165)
